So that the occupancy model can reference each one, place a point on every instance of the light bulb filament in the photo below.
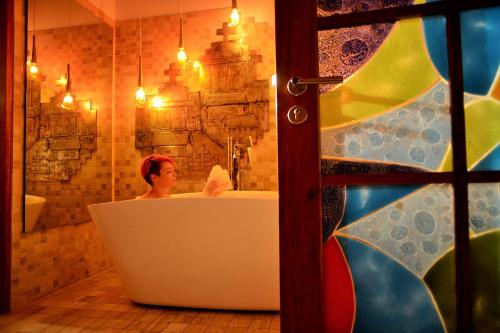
(181, 55)
(140, 97)
(235, 17)
(67, 101)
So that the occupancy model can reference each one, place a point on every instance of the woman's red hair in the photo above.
(152, 166)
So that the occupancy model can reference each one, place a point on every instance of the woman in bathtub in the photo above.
(159, 172)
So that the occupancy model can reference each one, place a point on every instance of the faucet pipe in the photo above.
(230, 157)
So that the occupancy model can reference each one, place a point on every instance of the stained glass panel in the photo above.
(332, 7)
(400, 237)
(392, 111)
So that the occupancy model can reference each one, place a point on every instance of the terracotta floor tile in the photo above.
(184, 318)
(236, 330)
(261, 322)
(275, 323)
(195, 328)
(215, 329)
(222, 319)
(139, 325)
(99, 304)
(22, 326)
(241, 320)
(175, 328)
(158, 325)
(202, 320)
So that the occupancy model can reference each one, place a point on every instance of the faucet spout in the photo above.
(235, 170)
(238, 162)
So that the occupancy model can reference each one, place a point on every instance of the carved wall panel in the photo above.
(58, 141)
(200, 113)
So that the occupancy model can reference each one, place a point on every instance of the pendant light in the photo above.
(140, 95)
(235, 15)
(181, 54)
(68, 98)
(33, 69)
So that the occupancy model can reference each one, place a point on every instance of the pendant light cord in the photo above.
(68, 69)
(34, 16)
(33, 46)
(69, 30)
(139, 80)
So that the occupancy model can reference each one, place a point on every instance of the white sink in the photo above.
(33, 207)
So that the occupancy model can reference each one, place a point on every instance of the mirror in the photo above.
(67, 156)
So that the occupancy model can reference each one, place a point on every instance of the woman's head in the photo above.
(159, 169)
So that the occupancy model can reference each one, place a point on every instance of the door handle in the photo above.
(297, 86)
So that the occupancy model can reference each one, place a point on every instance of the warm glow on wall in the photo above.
(273, 80)
(89, 106)
(158, 102)
(242, 42)
(62, 81)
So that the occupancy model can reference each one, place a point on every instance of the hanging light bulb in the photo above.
(67, 102)
(181, 54)
(235, 15)
(33, 69)
(140, 95)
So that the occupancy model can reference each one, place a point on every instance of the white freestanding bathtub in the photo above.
(195, 251)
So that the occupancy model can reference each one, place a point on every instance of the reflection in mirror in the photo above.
(67, 143)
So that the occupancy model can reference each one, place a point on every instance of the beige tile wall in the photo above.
(89, 50)
(160, 37)
(46, 260)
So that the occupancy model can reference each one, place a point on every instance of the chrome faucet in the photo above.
(236, 154)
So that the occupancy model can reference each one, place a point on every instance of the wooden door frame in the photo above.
(301, 274)
(6, 140)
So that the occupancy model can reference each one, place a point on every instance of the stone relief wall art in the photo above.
(203, 107)
(58, 141)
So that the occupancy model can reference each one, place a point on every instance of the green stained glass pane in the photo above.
(484, 222)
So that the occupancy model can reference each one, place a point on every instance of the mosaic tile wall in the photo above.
(89, 49)
(47, 260)
(160, 37)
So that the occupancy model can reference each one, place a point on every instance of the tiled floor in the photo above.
(99, 304)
